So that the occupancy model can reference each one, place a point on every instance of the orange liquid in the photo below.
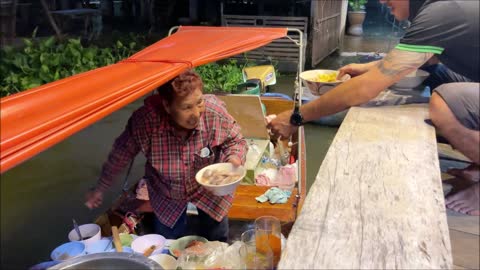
(265, 241)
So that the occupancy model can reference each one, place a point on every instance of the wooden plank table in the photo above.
(377, 202)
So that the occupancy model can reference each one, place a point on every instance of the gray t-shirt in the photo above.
(450, 29)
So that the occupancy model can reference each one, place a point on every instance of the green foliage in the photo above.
(357, 5)
(226, 76)
(42, 61)
(220, 77)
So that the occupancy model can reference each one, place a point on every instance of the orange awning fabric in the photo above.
(33, 120)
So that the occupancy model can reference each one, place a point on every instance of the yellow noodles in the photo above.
(331, 77)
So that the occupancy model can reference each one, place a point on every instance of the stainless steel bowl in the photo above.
(412, 80)
(109, 260)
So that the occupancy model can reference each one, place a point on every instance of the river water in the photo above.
(40, 197)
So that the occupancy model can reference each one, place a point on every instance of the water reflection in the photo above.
(40, 196)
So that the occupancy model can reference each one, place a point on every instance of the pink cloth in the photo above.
(266, 177)
(284, 178)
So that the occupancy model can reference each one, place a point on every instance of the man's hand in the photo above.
(235, 161)
(353, 70)
(93, 199)
(280, 125)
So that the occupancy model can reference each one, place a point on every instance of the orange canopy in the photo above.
(33, 120)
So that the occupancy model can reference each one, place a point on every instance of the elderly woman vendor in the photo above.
(179, 131)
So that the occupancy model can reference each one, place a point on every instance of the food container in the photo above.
(143, 243)
(177, 246)
(221, 189)
(165, 261)
(68, 251)
(317, 87)
(102, 245)
(111, 261)
(90, 233)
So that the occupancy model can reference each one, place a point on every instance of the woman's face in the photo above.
(186, 111)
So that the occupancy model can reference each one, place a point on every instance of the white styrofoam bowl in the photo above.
(222, 190)
(320, 88)
(142, 243)
(165, 261)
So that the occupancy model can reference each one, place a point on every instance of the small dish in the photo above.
(179, 245)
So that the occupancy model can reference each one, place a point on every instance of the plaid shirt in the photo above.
(172, 162)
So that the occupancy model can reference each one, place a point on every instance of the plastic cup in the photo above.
(268, 234)
(255, 257)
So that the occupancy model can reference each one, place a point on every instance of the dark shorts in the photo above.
(201, 225)
(463, 100)
(441, 74)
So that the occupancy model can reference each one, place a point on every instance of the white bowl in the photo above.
(68, 251)
(320, 88)
(166, 261)
(142, 243)
(90, 232)
(222, 190)
(412, 80)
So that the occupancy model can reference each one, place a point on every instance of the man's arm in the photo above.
(367, 86)
(355, 91)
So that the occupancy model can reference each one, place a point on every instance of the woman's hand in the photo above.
(235, 161)
(93, 199)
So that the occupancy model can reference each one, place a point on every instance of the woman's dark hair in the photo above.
(181, 86)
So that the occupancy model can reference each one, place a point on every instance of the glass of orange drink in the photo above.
(253, 257)
(268, 235)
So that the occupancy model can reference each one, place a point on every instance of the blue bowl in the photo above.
(98, 246)
(124, 249)
(67, 251)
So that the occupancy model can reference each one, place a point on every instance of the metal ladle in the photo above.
(77, 229)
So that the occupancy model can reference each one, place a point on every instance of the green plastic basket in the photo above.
(248, 88)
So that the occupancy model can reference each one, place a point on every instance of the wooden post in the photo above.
(14, 20)
(51, 20)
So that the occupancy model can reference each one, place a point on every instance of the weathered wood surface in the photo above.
(465, 247)
(377, 202)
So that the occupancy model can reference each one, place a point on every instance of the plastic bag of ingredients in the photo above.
(211, 255)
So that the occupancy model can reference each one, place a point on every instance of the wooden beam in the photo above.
(377, 201)
(51, 20)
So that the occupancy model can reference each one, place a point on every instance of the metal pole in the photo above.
(298, 94)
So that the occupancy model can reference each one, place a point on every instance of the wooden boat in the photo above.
(244, 206)
(85, 98)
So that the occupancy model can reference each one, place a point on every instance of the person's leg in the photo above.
(441, 74)
(470, 173)
(209, 228)
(465, 201)
(454, 110)
(179, 230)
